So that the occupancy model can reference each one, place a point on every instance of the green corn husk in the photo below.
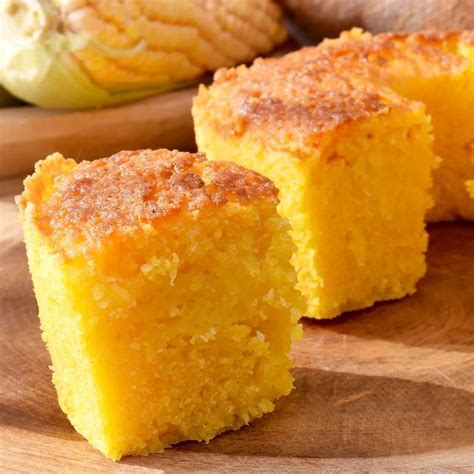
(37, 66)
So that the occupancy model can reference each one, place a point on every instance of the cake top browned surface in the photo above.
(95, 199)
(301, 95)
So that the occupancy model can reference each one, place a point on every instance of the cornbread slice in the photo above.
(165, 295)
(436, 68)
(352, 160)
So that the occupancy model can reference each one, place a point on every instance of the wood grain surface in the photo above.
(391, 387)
(28, 134)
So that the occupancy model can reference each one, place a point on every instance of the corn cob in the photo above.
(87, 53)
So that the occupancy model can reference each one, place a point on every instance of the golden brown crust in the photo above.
(425, 52)
(303, 94)
(131, 188)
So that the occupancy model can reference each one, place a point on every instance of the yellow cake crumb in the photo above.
(470, 183)
(165, 293)
(470, 188)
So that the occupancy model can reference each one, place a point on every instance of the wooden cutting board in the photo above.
(29, 134)
(391, 387)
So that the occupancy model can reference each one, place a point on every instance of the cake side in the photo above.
(62, 332)
(368, 231)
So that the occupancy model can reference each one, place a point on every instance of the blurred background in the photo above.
(91, 77)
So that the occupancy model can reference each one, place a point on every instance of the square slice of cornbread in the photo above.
(165, 293)
(353, 164)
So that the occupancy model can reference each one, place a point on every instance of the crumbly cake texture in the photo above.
(165, 292)
(470, 183)
(470, 188)
(346, 130)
